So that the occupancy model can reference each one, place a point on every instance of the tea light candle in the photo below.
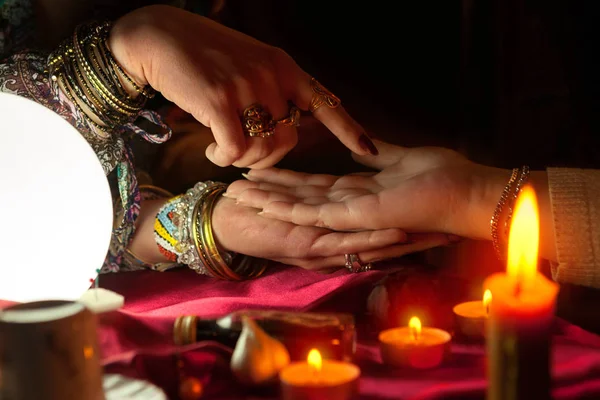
(318, 379)
(414, 346)
(471, 316)
(521, 315)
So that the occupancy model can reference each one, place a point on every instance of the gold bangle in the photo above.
(197, 241)
(244, 267)
(73, 100)
(208, 237)
(495, 221)
(107, 95)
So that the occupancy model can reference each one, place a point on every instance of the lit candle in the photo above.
(471, 316)
(414, 346)
(521, 314)
(319, 379)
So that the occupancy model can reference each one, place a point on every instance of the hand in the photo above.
(418, 190)
(242, 230)
(214, 73)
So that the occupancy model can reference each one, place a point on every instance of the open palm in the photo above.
(418, 190)
(240, 229)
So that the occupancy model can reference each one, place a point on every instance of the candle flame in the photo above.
(314, 360)
(487, 300)
(523, 240)
(415, 327)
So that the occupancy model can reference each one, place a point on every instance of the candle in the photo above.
(319, 379)
(471, 317)
(99, 300)
(414, 346)
(518, 333)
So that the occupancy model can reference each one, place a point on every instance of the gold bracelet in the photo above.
(495, 221)
(195, 233)
(89, 76)
(520, 182)
(208, 239)
(243, 267)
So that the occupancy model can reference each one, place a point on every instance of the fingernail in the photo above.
(228, 195)
(367, 144)
(454, 238)
(245, 175)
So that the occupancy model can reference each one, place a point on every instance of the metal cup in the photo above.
(49, 350)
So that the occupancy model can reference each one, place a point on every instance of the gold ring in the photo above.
(321, 95)
(258, 122)
(291, 120)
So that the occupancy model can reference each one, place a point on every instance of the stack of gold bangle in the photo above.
(242, 267)
(92, 79)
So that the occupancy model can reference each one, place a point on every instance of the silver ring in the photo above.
(354, 265)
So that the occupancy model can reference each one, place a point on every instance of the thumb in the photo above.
(388, 154)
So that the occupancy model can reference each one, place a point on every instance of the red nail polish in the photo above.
(367, 144)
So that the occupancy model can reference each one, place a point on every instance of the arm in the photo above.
(569, 203)
(437, 190)
(239, 229)
(487, 187)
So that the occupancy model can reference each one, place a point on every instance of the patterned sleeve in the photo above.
(24, 74)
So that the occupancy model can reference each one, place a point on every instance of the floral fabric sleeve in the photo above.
(23, 74)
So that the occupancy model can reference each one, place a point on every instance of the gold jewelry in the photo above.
(242, 267)
(521, 181)
(258, 122)
(353, 263)
(196, 228)
(508, 197)
(89, 76)
(291, 120)
(495, 221)
(208, 239)
(322, 96)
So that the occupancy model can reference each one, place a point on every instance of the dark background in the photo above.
(507, 82)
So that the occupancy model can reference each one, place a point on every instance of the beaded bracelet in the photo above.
(521, 181)
(495, 221)
(183, 232)
(508, 197)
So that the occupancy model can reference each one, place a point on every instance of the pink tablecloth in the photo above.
(137, 340)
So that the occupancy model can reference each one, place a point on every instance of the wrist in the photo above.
(124, 43)
(487, 187)
(219, 223)
(488, 183)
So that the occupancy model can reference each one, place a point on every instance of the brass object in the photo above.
(291, 120)
(258, 122)
(184, 331)
(322, 96)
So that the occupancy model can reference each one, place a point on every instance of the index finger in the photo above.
(309, 94)
(230, 139)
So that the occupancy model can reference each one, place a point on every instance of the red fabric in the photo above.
(137, 340)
